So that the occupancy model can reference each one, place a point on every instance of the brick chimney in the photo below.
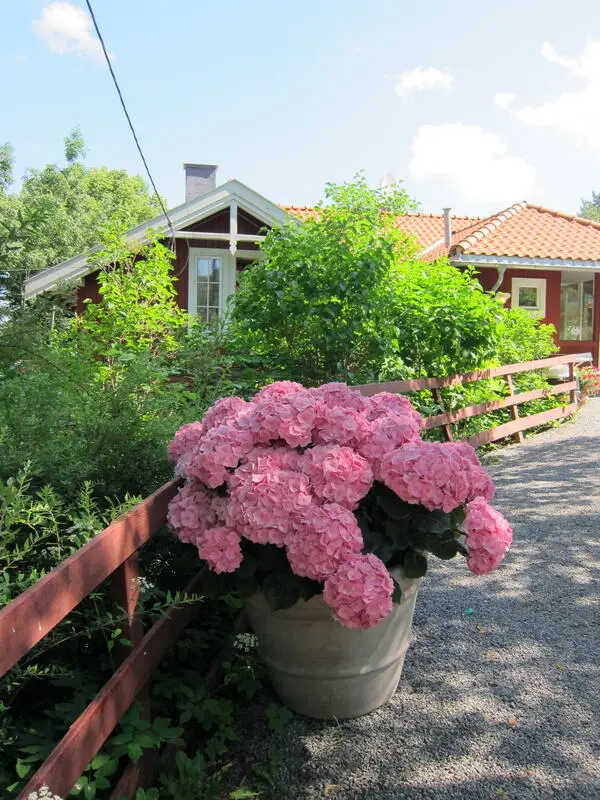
(447, 226)
(199, 179)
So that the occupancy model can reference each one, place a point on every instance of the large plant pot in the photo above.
(322, 669)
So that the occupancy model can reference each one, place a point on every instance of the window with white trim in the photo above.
(576, 306)
(209, 270)
(530, 295)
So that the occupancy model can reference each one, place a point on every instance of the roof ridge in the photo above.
(562, 215)
(491, 224)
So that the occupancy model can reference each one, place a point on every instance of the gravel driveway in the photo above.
(500, 693)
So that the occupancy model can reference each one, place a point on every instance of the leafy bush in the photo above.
(445, 322)
(317, 307)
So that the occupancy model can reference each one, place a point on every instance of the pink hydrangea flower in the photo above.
(334, 395)
(360, 591)
(291, 417)
(186, 439)
(387, 433)
(337, 474)
(278, 389)
(220, 448)
(264, 501)
(488, 536)
(278, 456)
(323, 537)
(383, 403)
(432, 474)
(191, 512)
(220, 548)
(341, 425)
(225, 411)
(218, 506)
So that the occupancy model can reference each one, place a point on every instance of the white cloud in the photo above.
(574, 115)
(474, 160)
(66, 28)
(422, 78)
(504, 99)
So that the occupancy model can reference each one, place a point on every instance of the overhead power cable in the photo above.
(118, 88)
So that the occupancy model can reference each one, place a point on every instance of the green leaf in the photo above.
(134, 751)
(90, 791)
(393, 506)
(22, 769)
(434, 522)
(443, 548)
(397, 595)
(414, 564)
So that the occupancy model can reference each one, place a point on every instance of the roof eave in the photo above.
(181, 216)
(463, 259)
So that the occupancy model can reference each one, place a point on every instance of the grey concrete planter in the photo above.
(324, 670)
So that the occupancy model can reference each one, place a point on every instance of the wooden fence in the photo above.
(518, 423)
(113, 554)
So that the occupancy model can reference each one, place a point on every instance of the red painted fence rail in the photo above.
(512, 401)
(113, 552)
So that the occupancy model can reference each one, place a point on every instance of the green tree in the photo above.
(318, 304)
(590, 209)
(61, 211)
(6, 166)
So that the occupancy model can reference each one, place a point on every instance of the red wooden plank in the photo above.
(521, 424)
(125, 592)
(437, 396)
(419, 384)
(91, 729)
(136, 775)
(31, 615)
(494, 405)
(514, 411)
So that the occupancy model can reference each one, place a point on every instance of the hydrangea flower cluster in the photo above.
(291, 469)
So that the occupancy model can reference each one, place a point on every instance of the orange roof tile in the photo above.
(529, 231)
(429, 228)
(520, 231)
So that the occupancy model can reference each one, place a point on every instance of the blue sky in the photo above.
(473, 105)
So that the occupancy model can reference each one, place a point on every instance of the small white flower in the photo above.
(44, 793)
(247, 642)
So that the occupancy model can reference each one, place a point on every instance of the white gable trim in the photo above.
(199, 208)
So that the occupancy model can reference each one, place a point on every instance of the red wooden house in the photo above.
(544, 261)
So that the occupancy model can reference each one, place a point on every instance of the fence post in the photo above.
(573, 392)
(125, 592)
(446, 427)
(514, 410)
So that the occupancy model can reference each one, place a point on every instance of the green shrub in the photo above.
(317, 306)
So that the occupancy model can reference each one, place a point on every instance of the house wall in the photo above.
(489, 276)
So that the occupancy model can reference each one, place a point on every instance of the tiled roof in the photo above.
(520, 231)
(303, 212)
(429, 230)
(528, 231)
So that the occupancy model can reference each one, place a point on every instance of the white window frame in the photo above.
(539, 284)
(227, 276)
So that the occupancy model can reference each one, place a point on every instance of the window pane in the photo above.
(202, 294)
(208, 287)
(209, 268)
(528, 297)
(576, 307)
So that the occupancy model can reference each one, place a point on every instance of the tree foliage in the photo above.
(590, 209)
(343, 295)
(61, 211)
(318, 304)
